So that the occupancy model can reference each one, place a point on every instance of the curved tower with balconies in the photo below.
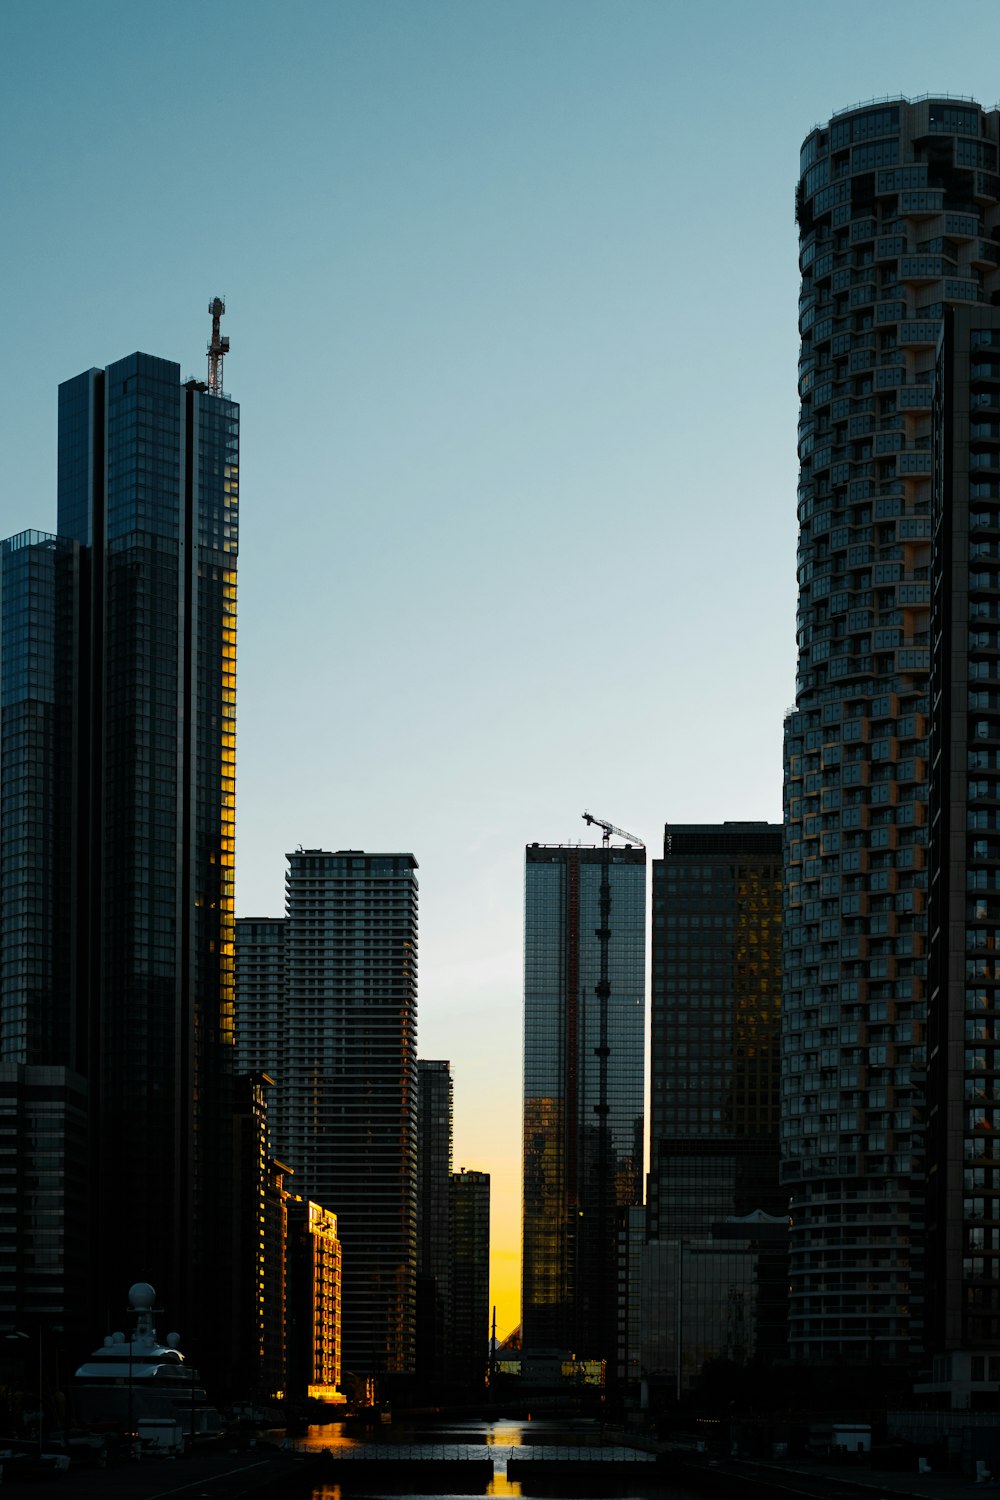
(898, 206)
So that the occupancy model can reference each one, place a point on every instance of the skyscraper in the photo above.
(895, 204)
(469, 1310)
(963, 1041)
(350, 1082)
(116, 862)
(434, 1147)
(715, 1046)
(584, 1010)
(715, 1270)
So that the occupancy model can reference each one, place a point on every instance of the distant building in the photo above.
(274, 1287)
(349, 1093)
(434, 1226)
(261, 1032)
(313, 1301)
(470, 1278)
(717, 1295)
(583, 1089)
(714, 1276)
(715, 1026)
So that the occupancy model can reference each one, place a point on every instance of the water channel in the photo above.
(499, 1441)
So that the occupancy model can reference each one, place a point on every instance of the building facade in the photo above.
(469, 1293)
(435, 1106)
(314, 1306)
(350, 1083)
(963, 1041)
(260, 1007)
(715, 1026)
(584, 1014)
(895, 205)
(117, 691)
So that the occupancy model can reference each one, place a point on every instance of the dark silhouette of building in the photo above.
(470, 1279)
(313, 1301)
(717, 1262)
(895, 205)
(434, 1260)
(583, 1089)
(715, 1026)
(963, 1012)
(116, 851)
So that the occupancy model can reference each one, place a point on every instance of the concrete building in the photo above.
(963, 1031)
(896, 205)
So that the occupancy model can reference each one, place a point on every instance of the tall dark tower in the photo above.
(584, 1013)
(128, 804)
(897, 205)
(435, 1109)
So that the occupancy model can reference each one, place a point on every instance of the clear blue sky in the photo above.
(512, 299)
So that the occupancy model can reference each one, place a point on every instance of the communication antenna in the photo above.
(218, 347)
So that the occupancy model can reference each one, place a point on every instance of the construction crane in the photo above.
(605, 1249)
(218, 347)
(609, 829)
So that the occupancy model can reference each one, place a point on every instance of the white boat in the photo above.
(129, 1380)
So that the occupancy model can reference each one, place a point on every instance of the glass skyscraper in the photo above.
(715, 1027)
(583, 1088)
(896, 206)
(118, 694)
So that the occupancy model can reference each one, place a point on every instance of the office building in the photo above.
(350, 1083)
(469, 1296)
(715, 1026)
(963, 1031)
(434, 1147)
(715, 1055)
(116, 863)
(313, 1302)
(584, 1008)
(896, 205)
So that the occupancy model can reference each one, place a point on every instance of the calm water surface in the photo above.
(480, 1439)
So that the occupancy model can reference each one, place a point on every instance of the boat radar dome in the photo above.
(141, 1296)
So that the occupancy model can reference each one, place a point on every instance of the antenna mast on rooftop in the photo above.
(218, 347)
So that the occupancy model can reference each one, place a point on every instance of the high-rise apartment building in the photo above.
(117, 688)
(435, 1106)
(963, 1039)
(349, 1088)
(584, 1012)
(896, 206)
(260, 1013)
(715, 1026)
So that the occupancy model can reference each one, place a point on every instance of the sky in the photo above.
(511, 287)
